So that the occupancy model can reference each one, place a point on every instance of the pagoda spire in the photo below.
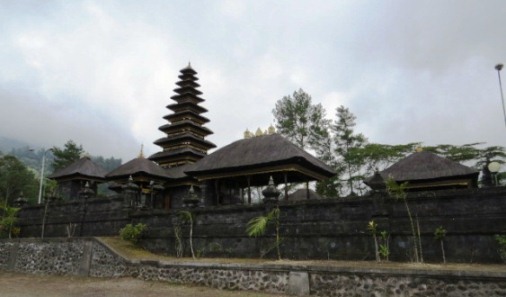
(184, 141)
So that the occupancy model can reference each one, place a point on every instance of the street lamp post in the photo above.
(42, 175)
(498, 67)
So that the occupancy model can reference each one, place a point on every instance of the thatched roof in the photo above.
(138, 166)
(83, 168)
(263, 155)
(424, 166)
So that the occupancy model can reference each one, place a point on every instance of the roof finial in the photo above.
(141, 153)
(189, 65)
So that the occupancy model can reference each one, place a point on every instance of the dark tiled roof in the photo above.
(83, 167)
(178, 172)
(139, 165)
(425, 165)
(256, 152)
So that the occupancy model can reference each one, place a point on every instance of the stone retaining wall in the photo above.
(91, 257)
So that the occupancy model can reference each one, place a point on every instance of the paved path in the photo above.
(28, 285)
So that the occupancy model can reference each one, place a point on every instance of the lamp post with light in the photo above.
(498, 67)
(39, 200)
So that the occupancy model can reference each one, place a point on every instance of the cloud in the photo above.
(101, 73)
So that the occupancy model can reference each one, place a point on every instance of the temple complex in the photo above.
(183, 174)
(228, 188)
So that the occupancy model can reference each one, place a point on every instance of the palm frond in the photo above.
(257, 226)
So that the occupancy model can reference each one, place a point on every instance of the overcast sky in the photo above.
(101, 72)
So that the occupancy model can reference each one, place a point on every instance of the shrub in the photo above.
(501, 240)
(132, 233)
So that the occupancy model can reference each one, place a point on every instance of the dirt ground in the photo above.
(28, 285)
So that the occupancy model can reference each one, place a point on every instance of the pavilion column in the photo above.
(249, 190)
(217, 191)
(307, 190)
(286, 185)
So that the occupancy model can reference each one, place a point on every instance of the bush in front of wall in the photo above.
(132, 233)
(501, 240)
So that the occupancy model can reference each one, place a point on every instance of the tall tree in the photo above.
(301, 121)
(65, 156)
(376, 156)
(304, 124)
(457, 153)
(346, 141)
(15, 180)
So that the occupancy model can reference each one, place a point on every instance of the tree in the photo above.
(108, 164)
(70, 153)
(457, 153)
(346, 142)
(15, 180)
(301, 121)
(398, 191)
(8, 220)
(304, 124)
(376, 156)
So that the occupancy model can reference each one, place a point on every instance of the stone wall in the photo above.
(312, 229)
(91, 257)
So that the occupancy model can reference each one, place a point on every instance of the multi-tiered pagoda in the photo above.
(184, 142)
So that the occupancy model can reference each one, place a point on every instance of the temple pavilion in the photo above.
(426, 171)
(73, 178)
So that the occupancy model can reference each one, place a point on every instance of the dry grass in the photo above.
(132, 252)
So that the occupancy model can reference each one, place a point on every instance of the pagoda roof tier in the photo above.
(187, 97)
(188, 70)
(187, 90)
(176, 107)
(186, 107)
(178, 155)
(176, 127)
(188, 83)
(188, 115)
(177, 139)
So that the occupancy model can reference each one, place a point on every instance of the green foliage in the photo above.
(372, 228)
(67, 155)
(108, 164)
(346, 142)
(16, 179)
(301, 121)
(384, 247)
(381, 244)
(398, 191)
(456, 153)
(439, 233)
(132, 233)
(8, 220)
(376, 156)
(257, 227)
(501, 240)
